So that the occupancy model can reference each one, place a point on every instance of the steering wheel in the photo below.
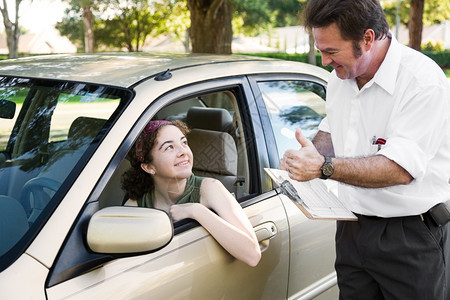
(34, 198)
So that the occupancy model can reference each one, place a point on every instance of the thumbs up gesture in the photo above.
(303, 164)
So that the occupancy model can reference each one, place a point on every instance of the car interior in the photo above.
(40, 184)
(215, 138)
(39, 149)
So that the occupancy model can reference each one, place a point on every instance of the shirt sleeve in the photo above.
(324, 125)
(417, 127)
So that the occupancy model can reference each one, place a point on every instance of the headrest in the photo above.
(217, 119)
(213, 151)
(85, 127)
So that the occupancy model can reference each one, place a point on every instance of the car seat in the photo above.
(213, 147)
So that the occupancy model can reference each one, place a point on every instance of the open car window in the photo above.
(216, 139)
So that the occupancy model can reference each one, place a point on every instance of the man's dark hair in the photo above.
(353, 17)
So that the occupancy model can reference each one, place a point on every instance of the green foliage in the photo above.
(433, 46)
(132, 21)
(300, 57)
(252, 17)
(72, 27)
(442, 58)
(122, 24)
(435, 11)
(178, 22)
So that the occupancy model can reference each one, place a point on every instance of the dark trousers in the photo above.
(393, 258)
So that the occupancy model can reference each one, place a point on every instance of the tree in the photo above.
(11, 28)
(73, 28)
(85, 9)
(257, 16)
(88, 22)
(118, 24)
(211, 30)
(132, 22)
(416, 24)
(178, 23)
(433, 12)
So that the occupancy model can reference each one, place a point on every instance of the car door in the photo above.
(290, 102)
(192, 265)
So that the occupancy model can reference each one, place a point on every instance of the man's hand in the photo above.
(303, 164)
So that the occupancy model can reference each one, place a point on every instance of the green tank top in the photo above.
(191, 193)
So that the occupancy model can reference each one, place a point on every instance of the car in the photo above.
(67, 123)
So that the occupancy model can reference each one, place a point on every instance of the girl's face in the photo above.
(172, 157)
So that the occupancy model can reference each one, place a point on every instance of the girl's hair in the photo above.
(352, 17)
(135, 181)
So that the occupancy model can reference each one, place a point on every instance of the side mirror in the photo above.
(128, 230)
(7, 109)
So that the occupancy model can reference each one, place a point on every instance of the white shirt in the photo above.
(407, 103)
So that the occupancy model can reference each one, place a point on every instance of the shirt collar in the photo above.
(386, 75)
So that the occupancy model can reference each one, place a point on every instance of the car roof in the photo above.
(126, 69)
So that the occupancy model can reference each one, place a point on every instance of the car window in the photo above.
(45, 128)
(291, 105)
(216, 140)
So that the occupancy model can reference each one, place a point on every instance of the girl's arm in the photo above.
(230, 226)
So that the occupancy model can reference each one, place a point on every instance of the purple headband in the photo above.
(152, 126)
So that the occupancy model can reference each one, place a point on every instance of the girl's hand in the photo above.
(184, 211)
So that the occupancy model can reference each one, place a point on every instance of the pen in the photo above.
(378, 141)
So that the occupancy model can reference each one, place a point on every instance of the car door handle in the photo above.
(264, 232)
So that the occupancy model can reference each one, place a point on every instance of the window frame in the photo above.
(265, 118)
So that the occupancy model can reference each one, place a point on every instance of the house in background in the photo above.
(44, 41)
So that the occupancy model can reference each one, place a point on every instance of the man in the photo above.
(386, 139)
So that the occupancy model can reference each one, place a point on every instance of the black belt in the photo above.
(440, 213)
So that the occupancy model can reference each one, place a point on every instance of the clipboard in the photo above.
(313, 198)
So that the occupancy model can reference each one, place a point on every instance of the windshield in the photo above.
(48, 130)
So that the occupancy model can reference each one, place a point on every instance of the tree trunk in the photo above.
(88, 21)
(211, 30)
(312, 51)
(416, 24)
(11, 29)
(187, 41)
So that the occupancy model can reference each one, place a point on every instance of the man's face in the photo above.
(346, 57)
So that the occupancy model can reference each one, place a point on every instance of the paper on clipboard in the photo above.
(312, 197)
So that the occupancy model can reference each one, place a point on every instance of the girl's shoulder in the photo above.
(208, 182)
(213, 193)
